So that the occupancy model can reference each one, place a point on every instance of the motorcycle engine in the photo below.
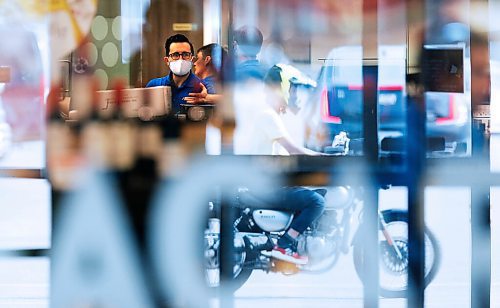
(317, 247)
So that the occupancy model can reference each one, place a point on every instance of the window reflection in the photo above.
(320, 50)
(21, 98)
(297, 89)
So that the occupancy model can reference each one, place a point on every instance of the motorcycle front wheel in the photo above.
(394, 270)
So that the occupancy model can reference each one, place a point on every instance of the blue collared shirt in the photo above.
(209, 83)
(191, 85)
(249, 69)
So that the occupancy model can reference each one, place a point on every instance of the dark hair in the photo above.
(177, 38)
(273, 76)
(216, 52)
(249, 40)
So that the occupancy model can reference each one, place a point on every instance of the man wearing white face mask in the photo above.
(179, 58)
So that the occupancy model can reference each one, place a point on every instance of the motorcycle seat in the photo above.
(250, 199)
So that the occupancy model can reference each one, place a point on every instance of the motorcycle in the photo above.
(257, 228)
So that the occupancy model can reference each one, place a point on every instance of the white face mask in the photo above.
(180, 67)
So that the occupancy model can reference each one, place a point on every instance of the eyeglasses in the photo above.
(185, 55)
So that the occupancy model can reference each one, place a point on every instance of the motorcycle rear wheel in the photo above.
(393, 272)
(241, 274)
(232, 286)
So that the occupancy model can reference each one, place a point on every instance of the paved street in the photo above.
(24, 282)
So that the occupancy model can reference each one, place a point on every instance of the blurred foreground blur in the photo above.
(385, 112)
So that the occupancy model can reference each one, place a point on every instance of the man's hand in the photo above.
(196, 98)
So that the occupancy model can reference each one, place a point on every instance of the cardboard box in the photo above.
(138, 102)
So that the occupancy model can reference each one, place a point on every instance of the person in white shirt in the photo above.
(260, 131)
(259, 128)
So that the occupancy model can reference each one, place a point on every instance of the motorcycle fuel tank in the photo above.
(339, 197)
(271, 220)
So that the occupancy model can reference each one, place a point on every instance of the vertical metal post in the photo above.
(371, 254)
(416, 284)
(227, 212)
(480, 192)
(370, 151)
(226, 249)
(225, 110)
(480, 246)
(480, 223)
(229, 65)
(415, 152)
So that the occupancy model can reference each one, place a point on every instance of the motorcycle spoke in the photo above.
(394, 272)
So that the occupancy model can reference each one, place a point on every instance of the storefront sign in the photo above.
(185, 27)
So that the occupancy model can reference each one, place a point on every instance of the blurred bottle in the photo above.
(121, 132)
(150, 136)
(77, 108)
(174, 154)
(138, 181)
(62, 156)
(95, 143)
